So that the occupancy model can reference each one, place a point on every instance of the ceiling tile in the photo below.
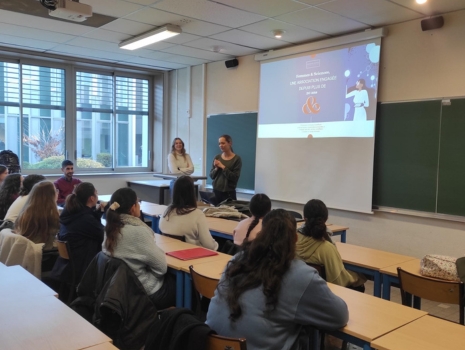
(144, 2)
(433, 7)
(292, 33)
(107, 35)
(25, 32)
(114, 8)
(94, 44)
(203, 28)
(209, 12)
(268, 8)
(128, 27)
(223, 47)
(90, 53)
(197, 53)
(25, 43)
(155, 17)
(156, 64)
(190, 61)
(182, 38)
(372, 12)
(322, 21)
(255, 41)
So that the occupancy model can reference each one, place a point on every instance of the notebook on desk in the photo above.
(192, 253)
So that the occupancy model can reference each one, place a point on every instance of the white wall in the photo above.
(414, 65)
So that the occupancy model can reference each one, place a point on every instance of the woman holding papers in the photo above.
(268, 297)
(182, 218)
(128, 238)
(225, 172)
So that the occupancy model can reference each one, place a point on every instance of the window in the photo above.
(104, 125)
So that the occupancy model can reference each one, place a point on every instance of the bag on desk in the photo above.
(439, 266)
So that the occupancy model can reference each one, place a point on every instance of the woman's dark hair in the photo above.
(259, 206)
(173, 149)
(184, 199)
(29, 182)
(362, 81)
(77, 200)
(39, 217)
(3, 168)
(228, 140)
(9, 190)
(263, 262)
(316, 215)
(126, 198)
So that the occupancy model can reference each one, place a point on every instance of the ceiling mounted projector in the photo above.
(71, 10)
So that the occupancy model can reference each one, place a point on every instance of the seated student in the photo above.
(81, 227)
(13, 212)
(128, 238)
(182, 218)
(3, 173)
(260, 205)
(312, 247)
(267, 296)
(65, 184)
(38, 220)
(9, 191)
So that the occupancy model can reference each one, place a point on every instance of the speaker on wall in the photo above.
(432, 23)
(231, 63)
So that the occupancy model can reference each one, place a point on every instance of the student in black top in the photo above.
(81, 227)
(225, 171)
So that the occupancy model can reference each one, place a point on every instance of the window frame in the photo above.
(70, 123)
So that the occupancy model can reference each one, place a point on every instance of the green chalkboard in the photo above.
(242, 127)
(420, 156)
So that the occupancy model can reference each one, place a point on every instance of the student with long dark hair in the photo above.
(312, 247)
(9, 191)
(182, 218)
(128, 238)
(267, 296)
(3, 173)
(81, 228)
(259, 206)
(226, 170)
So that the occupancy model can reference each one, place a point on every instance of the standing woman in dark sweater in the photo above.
(81, 227)
(225, 171)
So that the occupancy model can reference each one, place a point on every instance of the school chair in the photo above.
(204, 289)
(441, 291)
(63, 252)
(320, 269)
(217, 342)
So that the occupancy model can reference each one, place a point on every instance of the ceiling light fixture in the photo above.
(151, 37)
(421, 1)
(278, 33)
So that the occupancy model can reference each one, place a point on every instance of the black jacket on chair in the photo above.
(177, 329)
(119, 305)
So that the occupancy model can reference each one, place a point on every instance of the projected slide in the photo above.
(329, 94)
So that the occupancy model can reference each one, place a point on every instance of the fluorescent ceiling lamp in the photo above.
(151, 37)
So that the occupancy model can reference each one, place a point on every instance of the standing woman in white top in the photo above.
(361, 100)
(179, 162)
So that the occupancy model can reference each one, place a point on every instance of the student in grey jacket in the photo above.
(131, 240)
(267, 296)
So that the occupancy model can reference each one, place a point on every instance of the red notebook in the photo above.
(192, 253)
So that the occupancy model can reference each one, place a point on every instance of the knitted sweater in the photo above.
(136, 247)
(193, 226)
(180, 166)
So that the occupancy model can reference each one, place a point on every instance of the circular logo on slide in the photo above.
(311, 106)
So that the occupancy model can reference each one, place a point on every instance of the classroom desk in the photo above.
(174, 177)
(18, 284)
(44, 323)
(371, 317)
(168, 244)
(224, 228)
(103, 346)
(144, 186)
(369, 261)
(389, 274)
(425, 333)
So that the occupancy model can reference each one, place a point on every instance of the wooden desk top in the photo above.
(412, 266)
(222, 225)
(17, 283)
(103, 346)
(45, 323)
(371, 317)
(337, 228)
(425, 333)
(209, 269)
(153, 183)
(174, 176)
(368, 257)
